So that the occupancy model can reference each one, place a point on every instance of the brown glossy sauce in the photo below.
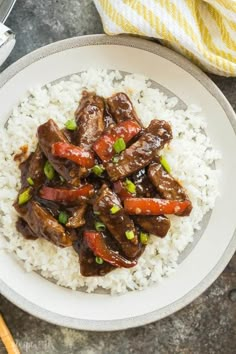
(21, 156)
(41, 217)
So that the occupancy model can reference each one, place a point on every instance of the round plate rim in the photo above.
(140, 43)
(7, 7)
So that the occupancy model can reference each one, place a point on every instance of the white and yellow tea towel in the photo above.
(202, 30)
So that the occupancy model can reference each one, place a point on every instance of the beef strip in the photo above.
(25, 230)
(52, 207)
(24, 168)
(75, 210)
(121, 108)
(36, 167)
(77, 219)
(155, 225)
(69, 135)
(43, 224)
(108, 119)
(144, 187)
(48, 134)
(117, 223)
(166, 185)
(87, 260)
(33, 168)
(142, 152)
(90, 119)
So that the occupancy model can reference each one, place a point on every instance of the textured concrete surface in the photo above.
(208, 325)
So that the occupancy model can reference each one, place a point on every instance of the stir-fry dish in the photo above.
(100, 184)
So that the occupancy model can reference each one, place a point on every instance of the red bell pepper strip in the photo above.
(97, 244)
(74, 153)
(104, 145)
(121, 191)
(154, 206)
(67, 195)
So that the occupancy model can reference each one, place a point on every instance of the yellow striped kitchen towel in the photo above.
(202, 30)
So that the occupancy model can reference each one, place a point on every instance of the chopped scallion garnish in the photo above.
(63, 217)
(99, 226)
(144, 238)
(130, 186)
(114, 209)
(98, 170)
(119, 145)
(99, 260)
(30, 181)
(49, 171)
(165, 164)
(25, 196)
(71, 124)
(129, 235)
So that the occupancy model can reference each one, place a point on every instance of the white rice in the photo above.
(190, 156)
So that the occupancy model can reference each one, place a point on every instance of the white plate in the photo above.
(217, 244)
(5, 9)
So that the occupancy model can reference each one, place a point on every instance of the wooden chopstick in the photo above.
(7, 338)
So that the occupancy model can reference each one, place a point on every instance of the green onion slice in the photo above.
(63, 217)
(99, 260)
(62, 179)
(99, 226)
(165, 164)
(115, 159)
(71, 124)
(144, 238)
(130, 186)
(115, 209)
(119, 145)
(49, 171)
(25, 196)
(98, 170)
(30, 181)
(129, 235)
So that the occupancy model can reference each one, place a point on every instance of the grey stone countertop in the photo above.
(208, 325)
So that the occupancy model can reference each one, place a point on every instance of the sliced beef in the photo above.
(52, 207)
(117, 223)
(155, 225)
(25, 230)
(88, 265)
(36, 167)
(144, 187)
(108, 119)
(77, 219)
(141, 153)
(43, 224)
(166, 185)
(121, 108)
(24, 168)
(48, 134)
(90, 119)
(33, 168)
(69, 135)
